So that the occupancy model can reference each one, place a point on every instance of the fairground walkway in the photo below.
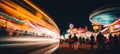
(85, 49)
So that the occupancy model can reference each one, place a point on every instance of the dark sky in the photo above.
(77, 12)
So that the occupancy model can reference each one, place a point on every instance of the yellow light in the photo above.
(95, 27)
(74, 30)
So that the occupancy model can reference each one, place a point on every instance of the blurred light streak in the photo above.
(96, 12)
(12, 11)
(30, 3)
(25, 41)
(22, 10)
(21, 13)
(24, 13)
(11, 18)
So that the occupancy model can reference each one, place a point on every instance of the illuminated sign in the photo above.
(71, 26)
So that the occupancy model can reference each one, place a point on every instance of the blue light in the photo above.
(11, 18)
(105, 18)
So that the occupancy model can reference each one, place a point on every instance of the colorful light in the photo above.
(95, 27)
(117, 26)
(18, 11)
(105, 15)
(71, 26)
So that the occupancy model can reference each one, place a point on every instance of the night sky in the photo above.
(77, 12)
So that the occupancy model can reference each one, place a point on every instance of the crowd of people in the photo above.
(103, 42)
(73, 42)
(100, 40)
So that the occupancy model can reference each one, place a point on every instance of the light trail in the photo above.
(43, 29)
(25, 41)
(30, 43)
(104, 10)
(105, 15)
(30, 3)
(25, 13)
(39, 10)
(13, 9)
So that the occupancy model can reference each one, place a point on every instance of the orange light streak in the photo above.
(17, 13)
(12, 11)
(27, 13)
(21, 13)
(30, 3)
(21, 10)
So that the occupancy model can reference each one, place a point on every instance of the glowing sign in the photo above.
(71, 26)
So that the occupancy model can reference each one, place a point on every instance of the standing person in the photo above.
(83, 40)
(80, 40)
(87, 41)
(101, 41)
(111, 39)
(92, 41)
(75, 39)
(70, 41)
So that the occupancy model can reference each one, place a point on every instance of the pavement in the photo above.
(85, 49)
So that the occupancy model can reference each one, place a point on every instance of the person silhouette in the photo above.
(70, 41)
(101, 41)
(75, 40)
(92, 41)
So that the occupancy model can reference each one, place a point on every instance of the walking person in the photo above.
(92, 41)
